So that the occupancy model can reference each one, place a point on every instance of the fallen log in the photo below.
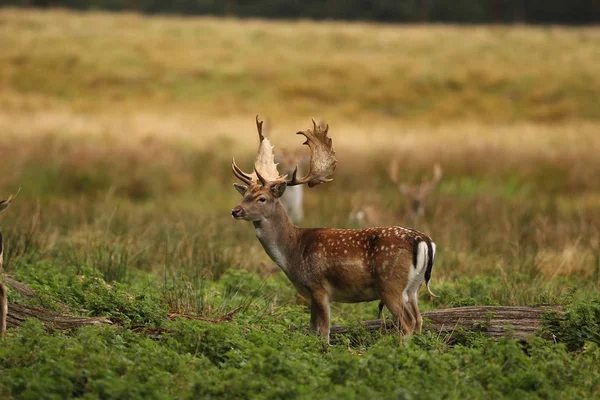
(17, 314)
(24, 290)
(496, 321)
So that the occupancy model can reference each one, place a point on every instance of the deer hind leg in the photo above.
(414, 307)
(319, 313)
(401, 311)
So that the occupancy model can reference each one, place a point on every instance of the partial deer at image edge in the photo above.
(3, 290)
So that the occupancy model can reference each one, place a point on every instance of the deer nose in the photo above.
(236, 211)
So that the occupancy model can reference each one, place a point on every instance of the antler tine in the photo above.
(241, 175)
(393, 171)
(259, 128)
(427, 187)
(265, 182)
(322, 160)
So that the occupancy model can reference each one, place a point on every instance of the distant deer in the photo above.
(3, 290)
(415, 194)
(327, 265)
(293, 197)
(371, 214)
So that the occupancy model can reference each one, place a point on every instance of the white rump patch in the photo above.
(416, 275)
(421, 258)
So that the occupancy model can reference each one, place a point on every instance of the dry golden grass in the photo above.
(219, 68)
(101, 111)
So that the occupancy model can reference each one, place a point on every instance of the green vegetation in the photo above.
(126, 195)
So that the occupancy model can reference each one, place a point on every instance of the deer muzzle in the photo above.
(237, 212)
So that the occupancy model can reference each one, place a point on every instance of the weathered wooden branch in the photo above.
(17, 314)
(517, 322)
(21, 288)
(496, 321)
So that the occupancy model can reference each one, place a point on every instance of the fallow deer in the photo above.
(293, 197)
(3, 290)
(332, 265)
(372, 214)
(415, 194)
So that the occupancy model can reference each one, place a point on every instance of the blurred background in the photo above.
(466, 11)
(119, 119)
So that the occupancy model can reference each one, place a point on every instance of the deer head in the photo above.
(262, 189)
(415, 194)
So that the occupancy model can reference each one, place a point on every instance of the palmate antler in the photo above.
(322, 160)
(322, 157)
(264, 164)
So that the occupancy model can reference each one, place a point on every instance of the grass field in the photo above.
(120, 131)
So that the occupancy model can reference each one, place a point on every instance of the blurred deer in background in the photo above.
(371, 214)
(368, 214)
(293, 198)
(332, 265)
(415, 194)
(3, 290)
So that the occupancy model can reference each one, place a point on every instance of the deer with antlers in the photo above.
(371, 214)
(288, 161)
(332, 265)
(415, 194)
(3, 290)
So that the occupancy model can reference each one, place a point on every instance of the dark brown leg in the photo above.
(319, 313)
(401, 313)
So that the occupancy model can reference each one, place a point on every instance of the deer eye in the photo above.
(262, 199)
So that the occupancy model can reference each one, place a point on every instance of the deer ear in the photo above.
(278, 189)
(240, 188)
(403, 189)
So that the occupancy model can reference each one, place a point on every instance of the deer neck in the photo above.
(278, 237)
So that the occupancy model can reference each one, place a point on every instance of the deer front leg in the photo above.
(3, 310)
(319, 313)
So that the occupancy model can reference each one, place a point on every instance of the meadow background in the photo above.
(119, 129)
